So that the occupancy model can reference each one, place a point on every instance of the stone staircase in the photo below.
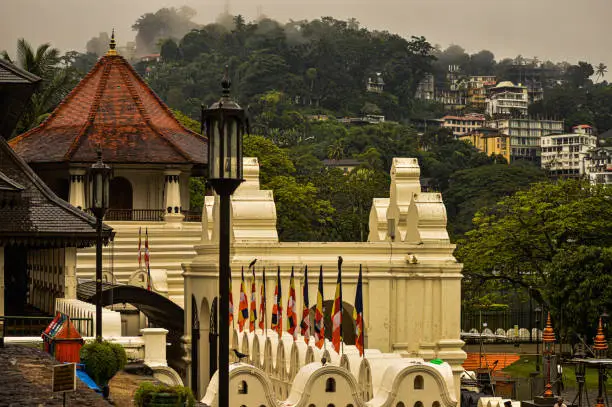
(170, 245)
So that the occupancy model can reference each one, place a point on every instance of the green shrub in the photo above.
(148, 392)
(103, 360)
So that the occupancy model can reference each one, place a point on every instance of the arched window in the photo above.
(419, 384)
(435, 404)
(418, 404)
(330, 387)
(243, 387)
(349, 405)
(330, 405)
(311, 405)
(400, 404)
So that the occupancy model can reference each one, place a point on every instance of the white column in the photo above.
(1, 280)
(70, 281)
(77, 187)
(155, 346)
(172, 201)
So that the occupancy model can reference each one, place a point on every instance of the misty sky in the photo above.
(569, 30)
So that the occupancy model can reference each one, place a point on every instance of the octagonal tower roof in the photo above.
(114, 108)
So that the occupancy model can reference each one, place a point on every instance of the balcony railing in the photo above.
(138, 215)
(34, 326)
(146, 215)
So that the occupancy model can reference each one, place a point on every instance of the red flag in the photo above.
(305, 324)
(358, 315)
(319, 324)
(243, 305)
(337, 311)
(277, 308)
(291, 308)
(253, 313)
(262, 302)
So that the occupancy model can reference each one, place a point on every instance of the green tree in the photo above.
(44, 62)
(601, 70)
(522, 240)
(472, 189)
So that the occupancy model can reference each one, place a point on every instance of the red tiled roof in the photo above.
(112, 106)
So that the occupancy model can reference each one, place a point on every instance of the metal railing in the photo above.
(192, 216)
(34, 326)
(142, 215)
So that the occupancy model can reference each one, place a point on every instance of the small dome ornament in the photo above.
(600, 345)
(548, 336)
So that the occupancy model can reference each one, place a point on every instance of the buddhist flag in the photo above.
(291, 308)
(262, 302)
(253, 313)
(358, 315)
(231, 302)
(147, 259)
(337, 311)
(243, 305)
(319, 323)
(139, 248)
(277, 308)
(305, 324)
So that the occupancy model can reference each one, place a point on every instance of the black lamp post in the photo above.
(225, 124)
(538, 314)
(99, 180)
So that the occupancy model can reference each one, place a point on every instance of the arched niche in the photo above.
(348, 323)
(121, 194)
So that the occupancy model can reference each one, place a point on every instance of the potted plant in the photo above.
(102, 361)
(162, 395)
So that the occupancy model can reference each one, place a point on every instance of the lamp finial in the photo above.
(226, 83)
(112, 45)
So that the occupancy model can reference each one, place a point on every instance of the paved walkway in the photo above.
(25, 377)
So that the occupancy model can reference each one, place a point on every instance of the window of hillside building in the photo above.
(419, 384)
(330, 385)
(243, 387)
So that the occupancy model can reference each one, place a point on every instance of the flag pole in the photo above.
(265, 304)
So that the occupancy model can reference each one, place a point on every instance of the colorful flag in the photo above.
(262, 302)
(336, 313)
(243, 305)
(253, 313)
(231, 301)
(358, 315)
(305, 324)
(277, 308)
(291, 308)
(139, 248)
(319, 323)
(147, 259)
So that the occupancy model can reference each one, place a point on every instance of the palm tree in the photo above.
(601, 70)
(44, 62)
(336, 150)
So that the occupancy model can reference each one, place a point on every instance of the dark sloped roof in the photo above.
(112, 107)
(16, 87)
(40, 217)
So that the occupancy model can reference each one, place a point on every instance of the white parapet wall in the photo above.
(111, 320)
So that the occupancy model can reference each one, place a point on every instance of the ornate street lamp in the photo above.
(538, 314)
(224, 123)
(548, 339)
(99, 181)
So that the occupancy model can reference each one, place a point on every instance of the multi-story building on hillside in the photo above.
(525, 135)
(426, 89)
(478, 87)
(598, 165)
(461, 125)
(564, 155)
(506, 98)
(489, 141)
